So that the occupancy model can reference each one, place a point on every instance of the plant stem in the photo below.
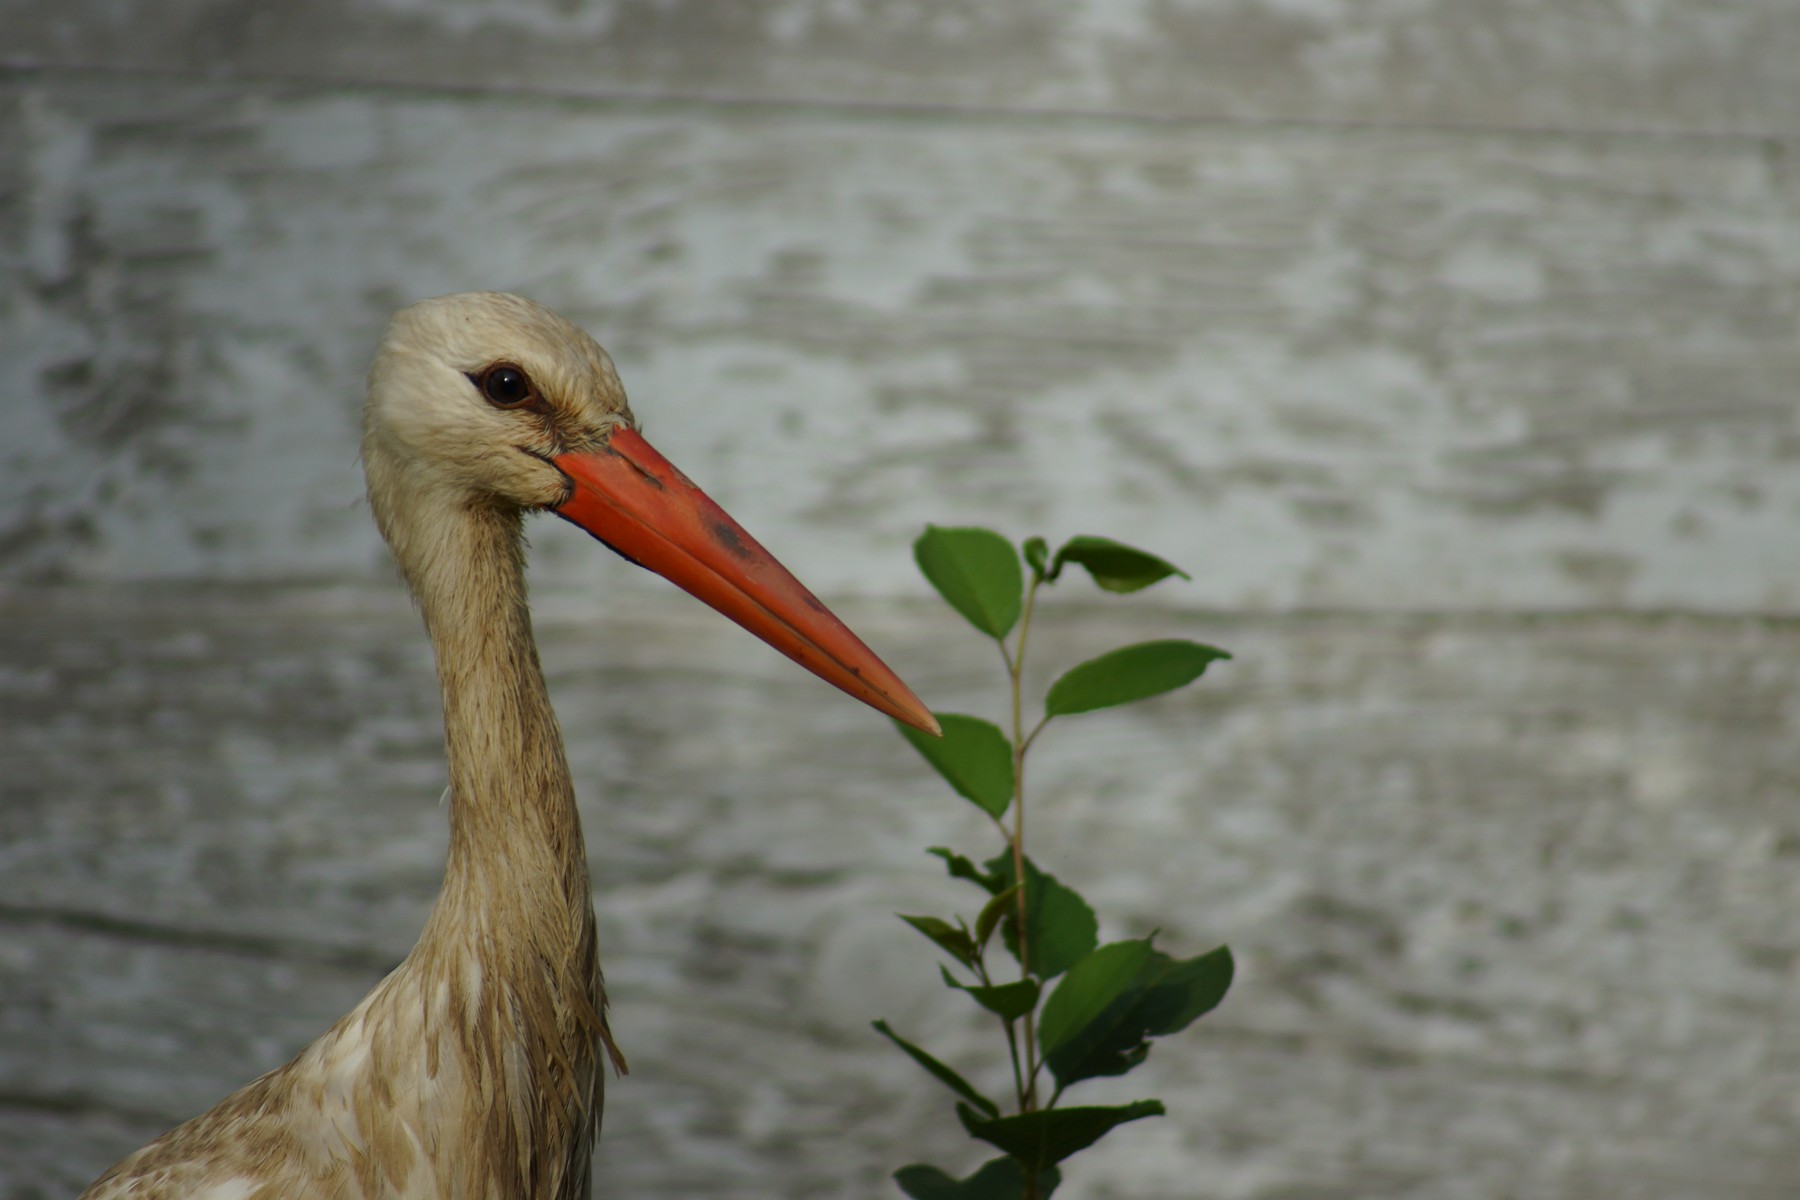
(1012, 1036)
(1015, 667)
(1021, 743)
(1012, 1048)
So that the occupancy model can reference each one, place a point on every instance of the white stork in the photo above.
(472, 1071)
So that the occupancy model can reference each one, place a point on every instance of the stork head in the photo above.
(489, 402)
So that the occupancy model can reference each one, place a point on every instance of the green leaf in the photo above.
(1132, 673)
(960, 867)
(952, 941)
(1190, 989)
(973, 756)
(1062, 928)
(998, 1179)
(1114, 565)
(1046, 1137)
(1008, 1001)
(1003, 902)
(1037, 556)
(976, 571)
(1099, 1019)
(1088, 993)
(945, 1075)
(1086, 1029)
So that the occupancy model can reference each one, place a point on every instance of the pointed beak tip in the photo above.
(923, 720)
(636, 502)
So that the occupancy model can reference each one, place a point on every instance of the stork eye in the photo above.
(505, 386)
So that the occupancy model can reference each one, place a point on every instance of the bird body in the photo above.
(473, 1070)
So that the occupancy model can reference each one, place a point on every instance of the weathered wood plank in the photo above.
(1723, 67)
(1398, 370)
(1512, 898)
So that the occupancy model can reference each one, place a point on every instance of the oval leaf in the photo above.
(1046, 1137)
(1189, 989)
(973, 756)
(1082, 1004)
(977, 572)
(1114, 565)
(1003, 902)
(959, 867)
(1008, 1001)
(1132, 673)
(1100, 1018)
(999, 1179)
(952, 941)
(943, 1074)
(1062, 928)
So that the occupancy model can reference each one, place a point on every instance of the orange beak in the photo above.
(634, 500)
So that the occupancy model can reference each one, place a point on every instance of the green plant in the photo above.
(1077, 1010)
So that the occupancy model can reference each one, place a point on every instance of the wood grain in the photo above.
(1399, 370)
(1510, 898)
(1450, 344)
(1616, 65)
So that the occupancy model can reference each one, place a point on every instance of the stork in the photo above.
(473, 1070)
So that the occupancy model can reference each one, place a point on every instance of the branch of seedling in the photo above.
(1111, 999)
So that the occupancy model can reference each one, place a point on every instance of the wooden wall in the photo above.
(1449, 344)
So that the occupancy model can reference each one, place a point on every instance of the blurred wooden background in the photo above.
(1450, 345)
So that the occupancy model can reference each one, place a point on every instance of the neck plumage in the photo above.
(515, 837)
(511, 939)
(517, 861)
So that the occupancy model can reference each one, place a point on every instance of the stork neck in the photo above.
(508, 954)
(513, 824)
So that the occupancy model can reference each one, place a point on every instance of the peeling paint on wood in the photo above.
(1621, 65)
(1441, 316)
(1396, 370)
(1495, 887)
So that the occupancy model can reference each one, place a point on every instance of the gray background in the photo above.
(1448, 343)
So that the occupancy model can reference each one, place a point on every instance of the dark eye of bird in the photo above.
(505, 386)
